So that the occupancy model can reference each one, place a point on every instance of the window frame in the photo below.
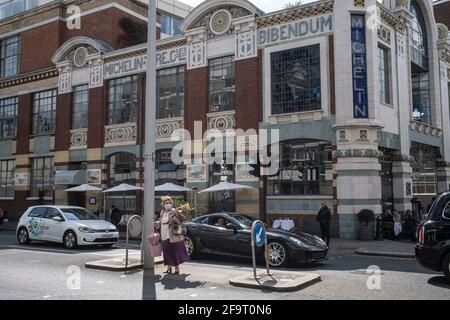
(7, 178)
(179, 94)
(117, 87)
(80, 108)
(221, 63)
(4, 104)
(4, 47)
(38, 110)
(325, 68)
(387, 75)
(44, 183)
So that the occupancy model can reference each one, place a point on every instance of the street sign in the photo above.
(259, 238)
(259, 235)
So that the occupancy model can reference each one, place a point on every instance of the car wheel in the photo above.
(278, 254)
(446, 266)
(189, 242)
(23, 237)
(70, 240)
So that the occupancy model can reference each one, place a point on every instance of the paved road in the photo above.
(48, 271)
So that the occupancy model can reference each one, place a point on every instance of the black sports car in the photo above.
(230, 234)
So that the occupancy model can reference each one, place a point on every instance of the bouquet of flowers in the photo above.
(186, 209)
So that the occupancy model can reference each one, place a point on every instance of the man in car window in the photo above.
(220, 223)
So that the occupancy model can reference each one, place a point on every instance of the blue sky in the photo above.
(265, 5)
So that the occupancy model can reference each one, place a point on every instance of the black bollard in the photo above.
(379, 226)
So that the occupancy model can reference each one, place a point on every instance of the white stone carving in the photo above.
(96, 75)
(245, 45)
(78, 139)
(65, 82)
(197, 55)
(120, 134)
(222, 121)
(401, 49)
(165, 128)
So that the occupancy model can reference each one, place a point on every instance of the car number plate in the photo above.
(107, 235)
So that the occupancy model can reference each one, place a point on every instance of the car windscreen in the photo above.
(78, 214)
(244, 221)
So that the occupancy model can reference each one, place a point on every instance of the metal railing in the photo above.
(128, 238)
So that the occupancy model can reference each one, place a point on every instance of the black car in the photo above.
(433, 247)
(230, 234)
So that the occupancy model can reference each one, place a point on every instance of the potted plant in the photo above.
(366, 220)
(185, 207)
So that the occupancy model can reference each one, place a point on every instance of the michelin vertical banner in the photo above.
(359, 62)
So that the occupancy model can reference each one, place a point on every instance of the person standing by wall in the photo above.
(324, 217)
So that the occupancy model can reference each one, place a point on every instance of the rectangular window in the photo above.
(384, 75)
(305, 169)
(80, 107)
(44, 112)
(221, 84)
(42, 177)
(8, 117)
(170, 26)
(122, 100)
(421, 97)
(10, 8)
(170, 91)
(9, 56)
(296, 83)
(7, 171)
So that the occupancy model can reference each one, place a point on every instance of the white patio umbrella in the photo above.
(84, 188)
(170, 187)
(226, 186)
(123, 188)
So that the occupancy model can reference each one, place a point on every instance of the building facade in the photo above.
(357, 91)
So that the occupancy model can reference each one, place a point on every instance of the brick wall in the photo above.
(248, 93)
(63, 121)
(196, 91)
(97, 117)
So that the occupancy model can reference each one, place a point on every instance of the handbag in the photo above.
(178, 230)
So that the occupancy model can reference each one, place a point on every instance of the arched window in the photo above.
(419, 67)
(122, 169)
(418, 29)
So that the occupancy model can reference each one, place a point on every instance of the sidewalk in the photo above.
(386, 248)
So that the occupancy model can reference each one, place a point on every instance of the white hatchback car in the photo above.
(71, 226)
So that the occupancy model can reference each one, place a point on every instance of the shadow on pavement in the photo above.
(337, 261)
(440, 282)
(149, 280)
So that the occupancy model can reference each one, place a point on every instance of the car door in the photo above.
(35, 223)
(444, 230)
(53, 230)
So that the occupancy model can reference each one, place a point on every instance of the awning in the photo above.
(70, 177)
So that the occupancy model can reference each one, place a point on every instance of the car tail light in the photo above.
(421, 238)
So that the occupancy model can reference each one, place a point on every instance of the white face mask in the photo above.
(168, 206)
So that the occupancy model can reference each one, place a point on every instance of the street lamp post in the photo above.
(150, 120)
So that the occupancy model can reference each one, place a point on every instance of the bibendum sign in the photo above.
(295, 30)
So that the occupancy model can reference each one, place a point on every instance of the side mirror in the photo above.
(231, 226)
(57, 218)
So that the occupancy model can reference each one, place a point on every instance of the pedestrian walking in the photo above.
(174, 249)
(324, 217)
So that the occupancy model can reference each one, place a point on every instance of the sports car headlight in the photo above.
(86, 230)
